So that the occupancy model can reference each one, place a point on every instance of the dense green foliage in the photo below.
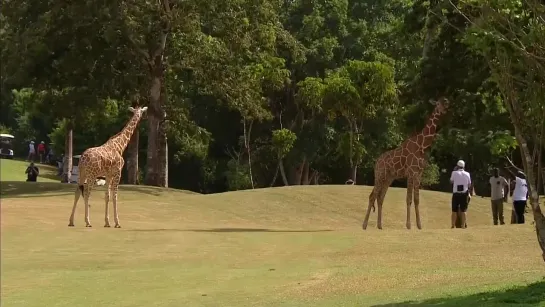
(257, 93)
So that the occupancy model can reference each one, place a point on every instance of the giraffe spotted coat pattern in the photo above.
(406, 161)
(105, 161)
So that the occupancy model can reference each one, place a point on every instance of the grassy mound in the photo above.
(289, 246)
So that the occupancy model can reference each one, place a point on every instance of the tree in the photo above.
(510, 35)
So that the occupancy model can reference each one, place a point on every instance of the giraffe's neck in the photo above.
(120, 141)
(427, 135)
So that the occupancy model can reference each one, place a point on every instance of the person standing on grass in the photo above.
(520, 197)
(41, 151)
(498, 186)
(461, 184)
(31, 151)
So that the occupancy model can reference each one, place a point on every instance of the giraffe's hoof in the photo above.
(117, 226)
(379, 227)
(71, 225)
(88, 225)
(107, 225)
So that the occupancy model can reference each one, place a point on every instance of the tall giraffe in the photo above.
(105, 161)
(406, 161)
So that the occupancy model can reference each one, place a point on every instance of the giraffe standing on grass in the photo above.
(406, 161)
(105, 161)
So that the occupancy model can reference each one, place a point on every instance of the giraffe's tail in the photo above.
(372, 199)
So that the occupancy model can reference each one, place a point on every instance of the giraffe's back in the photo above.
(97, 161)
(400, 162)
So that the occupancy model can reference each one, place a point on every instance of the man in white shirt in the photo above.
(520, 197)
(461, 185)
(498, 191)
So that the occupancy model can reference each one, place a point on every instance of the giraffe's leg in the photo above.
(115, 186)
(372, 199)
(417, 203)
(410, 187)
(87, 187)
(77, 194)
(381, 196)
(106, 206)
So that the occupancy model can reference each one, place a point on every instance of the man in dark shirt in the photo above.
(32, 172)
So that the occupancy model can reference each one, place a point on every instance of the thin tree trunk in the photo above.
(132, 159)
(306, 173)
(534, 197)
(247, 135)
(275, 175)
(69, 153)
(283, 171)
(313, 177)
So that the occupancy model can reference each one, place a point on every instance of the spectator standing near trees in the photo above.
(498, 185)
(31, 151)
(41, 151)
(520, 197)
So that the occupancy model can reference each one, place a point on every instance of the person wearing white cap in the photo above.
(461, 185)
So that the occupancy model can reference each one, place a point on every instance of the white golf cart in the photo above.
(6, 149)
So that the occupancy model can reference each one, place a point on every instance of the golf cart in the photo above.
(6, 151)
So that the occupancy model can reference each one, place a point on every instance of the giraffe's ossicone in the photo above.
(105, 161)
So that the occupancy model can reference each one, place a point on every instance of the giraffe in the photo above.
(406, 161)
(105, 161)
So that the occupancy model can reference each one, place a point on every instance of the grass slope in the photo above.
(289, 246)
(14, 170)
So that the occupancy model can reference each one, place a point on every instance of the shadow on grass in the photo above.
(530, 295)
(23, 189)
(232, 230)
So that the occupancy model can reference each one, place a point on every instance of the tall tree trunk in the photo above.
(132, 159)
(353, 173)
(156, 114)
(68, 154)
(152, 152)
(162, 158)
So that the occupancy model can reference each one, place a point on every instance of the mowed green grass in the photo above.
(289, 246)
(14, 170)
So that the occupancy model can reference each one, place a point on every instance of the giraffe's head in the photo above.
(139, 111)
(441, 105)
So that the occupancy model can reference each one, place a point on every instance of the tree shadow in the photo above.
(23, 189)
(232, 230)
(529, 295)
